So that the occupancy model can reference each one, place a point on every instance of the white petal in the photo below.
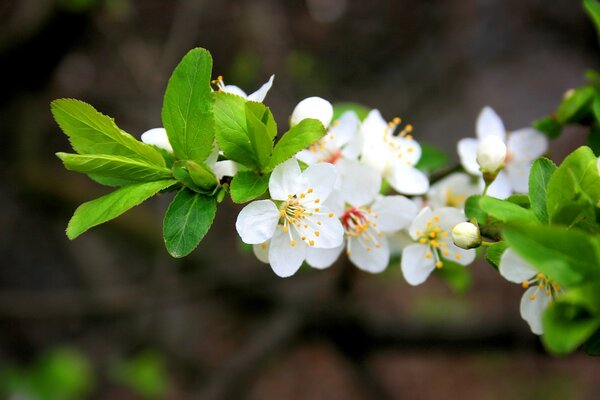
(489, 123)
(407, 180)
(313, 107)
(518, 175)
(308, 157)
(467, 152)
(394, 213)
(514, 268)
(458, 255)
(234, 90)
(261, 93)
(286, 259)
(261, 251)
(285, 180)
(410, 149)
(157, 137)
(500, 188)
(526, 144)
(415, 266)
(345, 128)
(452, 191)
(420, 222)
(323, 258)
(225, 168)
(330, 230)
(370, 259)
(373, 127)
(335, 203)
(360, 183)
(321, 179)
(257, 221)
(450, 217)
(533, 304)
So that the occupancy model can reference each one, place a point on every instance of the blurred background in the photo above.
(112, 316)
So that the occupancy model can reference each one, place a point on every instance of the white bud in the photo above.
(313, 107)
(158, 137)
(491, 154)
(466, 235)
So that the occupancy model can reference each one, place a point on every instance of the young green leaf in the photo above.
(549, 126)
(505, 211)
(247, 185)
(567, 326)
(541, 171)
(187, 112)
(91, 132)
(575, 105)
(112, 205)
(593, 139)
(115, 167)
(494, 253)
(592, 7)
(568, 256)
(299, 137)
(187, 221)
(231, 130)
(432, 158)
(260, 139)
(202, 176)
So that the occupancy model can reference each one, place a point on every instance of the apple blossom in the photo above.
(257, 96)
(451, 191)
(313, 107)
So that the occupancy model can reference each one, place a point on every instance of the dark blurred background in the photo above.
(114, 317)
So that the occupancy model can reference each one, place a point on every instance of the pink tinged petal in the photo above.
(518, 176)
(360, 183)
(394, 213)
(234, 90)
(261, 93)
(467, 152)
(285, 180)
(323, 258)
(157, 137)
(257, 221)
(416, 267)
(407, 180)
(500, 188)
(284, 258)
(455, 254)
(261, 251)
(514, 268)
(345, 129)
(526, 144)
(533, 304)
(330, 230)
(489, 123)
(370, 259)
(419, 224)
(321, 179)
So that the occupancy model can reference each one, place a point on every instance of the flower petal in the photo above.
(489, 123)
(371, 259)
(450, 217)
(360, 183)
(526, 144)
(452, 191)
(518, 175)
(286, 259)
(323, 258)
(257, 221)
(415, 266)
(225, 168)
(394, 213)
(313, 107)
(533, 304)
(420, 222)
(467, 152)
(326, 232)
(500, 188)
(308, 157)
(514, 268)
(321, 179)
(455, 254)
(345, 129)
(285, 180)
(261, 93)
(261, 251)
(407, 180)
(234, 90)
(157, 137)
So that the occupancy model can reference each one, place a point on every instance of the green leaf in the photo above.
(505, 211)
(115, 167)
(91, 132)
(522, 200)
(549, 126)
(202, 176)
(592, 7)
(567, 326)
(231, 130)
(568, 256)
(575, 105)
(187, 112)
(494, 253)
(541, 171)
(473, 210)
(299, 137)
(187, 221)
(593, 140)
(340, 108)
(455, 275)
(112, 205)
(260, 139)
(247, 185)
(432, 158)
(592, 345)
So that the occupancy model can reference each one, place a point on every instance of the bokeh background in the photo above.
(112, 316)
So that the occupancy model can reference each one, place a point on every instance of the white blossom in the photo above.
(451, 191)
(313, 107)
(257, 96)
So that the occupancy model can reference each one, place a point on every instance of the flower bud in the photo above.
(491, 154)
(313, 107)
(466, 235)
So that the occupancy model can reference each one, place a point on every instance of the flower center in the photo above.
(361, 224)
(300, 213)
(543, 283)
(454, 199)
(436, 239)
(399, 145)
(327, 148)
